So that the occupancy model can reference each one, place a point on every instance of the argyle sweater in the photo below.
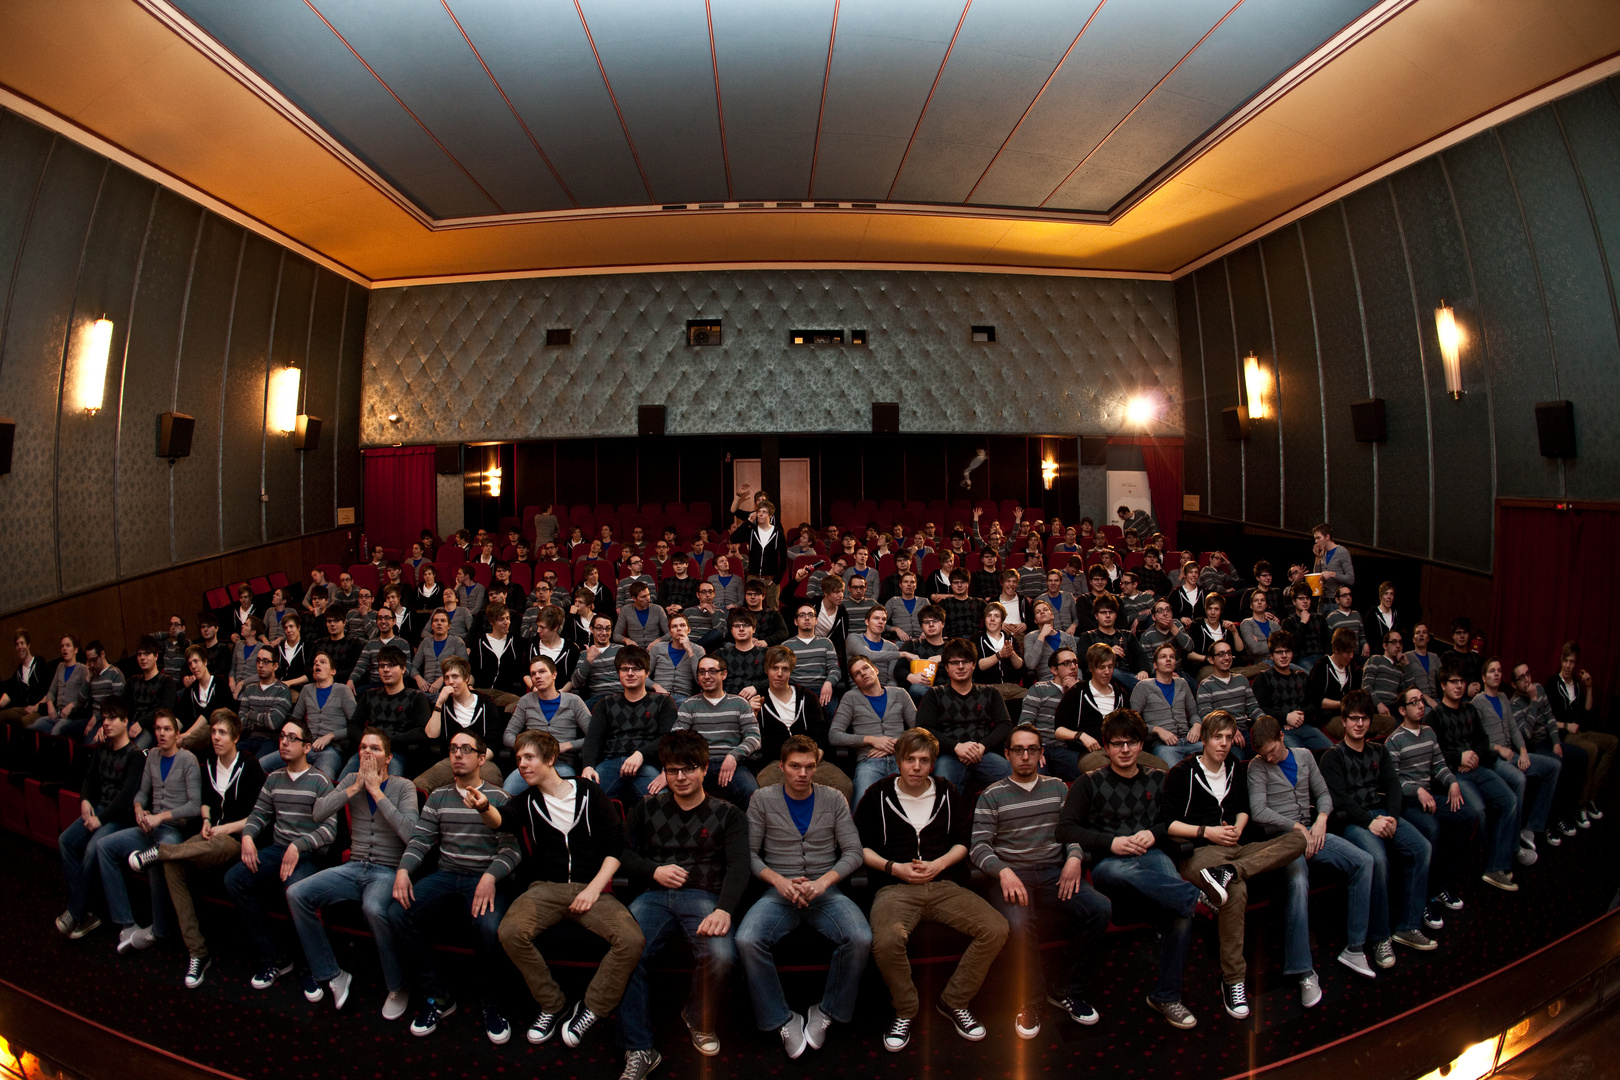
(1458, 730)
(1364, 784)
(1280, 695)
(963, 617)
(1103, 805)
(980, 716)
(744, 668)
(620, 728)
(709, 842)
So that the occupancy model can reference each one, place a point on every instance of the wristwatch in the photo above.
(1200, 832)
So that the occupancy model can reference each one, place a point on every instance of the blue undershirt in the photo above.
(800, 809)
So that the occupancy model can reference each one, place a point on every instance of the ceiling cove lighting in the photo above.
(1445, 323)
(1256, 382)
(284, 400)
(92, 381)
(492, 481)
(1049, 471)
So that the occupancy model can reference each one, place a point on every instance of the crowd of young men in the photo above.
(1140, 753)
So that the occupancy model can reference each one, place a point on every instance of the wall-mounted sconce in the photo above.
(492, 481)
(1141, 409)
(393, 415)
(1256, 382)
(1445, 323)
(284, 400)
(307, 436)
(93, 366)
(1048, 473)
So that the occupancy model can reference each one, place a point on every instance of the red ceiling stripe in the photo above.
(501, 90)
(425, 129)
(1030, 108)
(645, 183)
(714, 60)
(1139, 104)
(937, 75)
(821, 111)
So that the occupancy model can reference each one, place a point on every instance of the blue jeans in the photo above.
(832, 915)
(1543, 773)
(986, 771)
(1081, 919)
(1172, 754)
(114, 855)
(1062, 761)
(1354, 864)
(515, 785)
(1153, 877)
(1128, 678)
(264, 748)
(661, 914)
(1447, 832)
(370, 883)
(738, 792)
(248, 886)
(81, 861)
(444, 897)
(329, 761)
(1493, 803)
(1571, 778)
(870, 770)
(616, 786)
(1408, 843)
(1306, 737)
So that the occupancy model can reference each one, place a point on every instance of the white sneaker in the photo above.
(792, 1034)
(816, 1026)
(1527, 839)
(1527, 856)
(1357, 962)
(396, 1004)
(1310, 990)
(340, 988)
(142, 938)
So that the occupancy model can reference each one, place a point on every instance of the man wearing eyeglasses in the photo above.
(1424, 772)
(263, 707)
(1225, 689)
(286, 810)
(1040, 711)
(728, 725)
(473, 861)
(625, 730)
(364, 672)
(695, 851)
(401, 712)
(969, 720)
(1039, 884)
(1113, 814)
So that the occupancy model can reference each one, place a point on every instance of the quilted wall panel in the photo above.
(468, 362)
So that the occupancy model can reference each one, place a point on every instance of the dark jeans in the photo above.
(1447, 832)
(738, 792)
(1081, 920)
(1154, 877)
(1571, 779)
(984, 772)
(1062, 761)
(81, 864)
(1402, 910)
(249, 888)
(447, 897)
(832, 915)
(661, 914)
(624, 788)
(1492, 801)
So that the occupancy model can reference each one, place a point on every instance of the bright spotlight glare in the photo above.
(1139, 410)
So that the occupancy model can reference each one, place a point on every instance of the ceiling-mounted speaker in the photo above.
(1555, 426)
(1235, 421)
(307, 435)
(885, 418)
(447, 460)
(650, 420)
(174, 435)
(1094, 450)
(1367, 417)
(8, 434)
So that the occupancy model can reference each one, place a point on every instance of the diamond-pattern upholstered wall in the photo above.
(468, 362)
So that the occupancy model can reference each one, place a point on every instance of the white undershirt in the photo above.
(1190, 594)
(296, 775)
(917, 808)
(824, 620)
(221, 778)
(784, 711)
(498, 645)
(1105, 701)
(996, 641)
(461, 714)
(564, 809)
(1027, 787)
(1217, 780)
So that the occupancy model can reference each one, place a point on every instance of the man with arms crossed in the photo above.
(802, 843)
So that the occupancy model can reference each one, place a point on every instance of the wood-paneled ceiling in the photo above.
(410, 139)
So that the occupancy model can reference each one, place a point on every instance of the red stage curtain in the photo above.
(1556, 579)
(402, 495)
(1162, 459)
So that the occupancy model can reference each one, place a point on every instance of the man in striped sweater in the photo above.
(727, 723)
(382, 813)
(1422, 771)
(1384, 676)
(473, 859)
(1040, 890)
(285, 810)
(817, 671)
(1226, 690)
(802, 843)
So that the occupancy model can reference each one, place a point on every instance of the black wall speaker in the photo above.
(1367, 417)
(1555, 425)
(885, 418)
(1094, 450)
(174, 434)
(650, 420)
(307, 436)
(8, 434)
(447, 460)
(1235, 421)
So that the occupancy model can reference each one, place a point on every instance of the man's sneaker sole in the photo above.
(90, 923)
(1087, 1019)
(1501, 881)
(1180, 1019)
(967, 1033)
(1420, 942)
(1214, 886)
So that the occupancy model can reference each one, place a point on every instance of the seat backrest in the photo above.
(261, 586)
(217, 598)
(278, 580)
(522, 576)
(365, 576)
(483, 573)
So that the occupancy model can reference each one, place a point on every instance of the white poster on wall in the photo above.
(1127, 489)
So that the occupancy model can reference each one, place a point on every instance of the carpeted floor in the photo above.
(227, 1025)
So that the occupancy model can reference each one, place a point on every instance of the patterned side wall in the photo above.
(202, 311)
(468, 362)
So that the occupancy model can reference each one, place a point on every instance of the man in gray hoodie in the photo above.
(802, 843)
(382, 816)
